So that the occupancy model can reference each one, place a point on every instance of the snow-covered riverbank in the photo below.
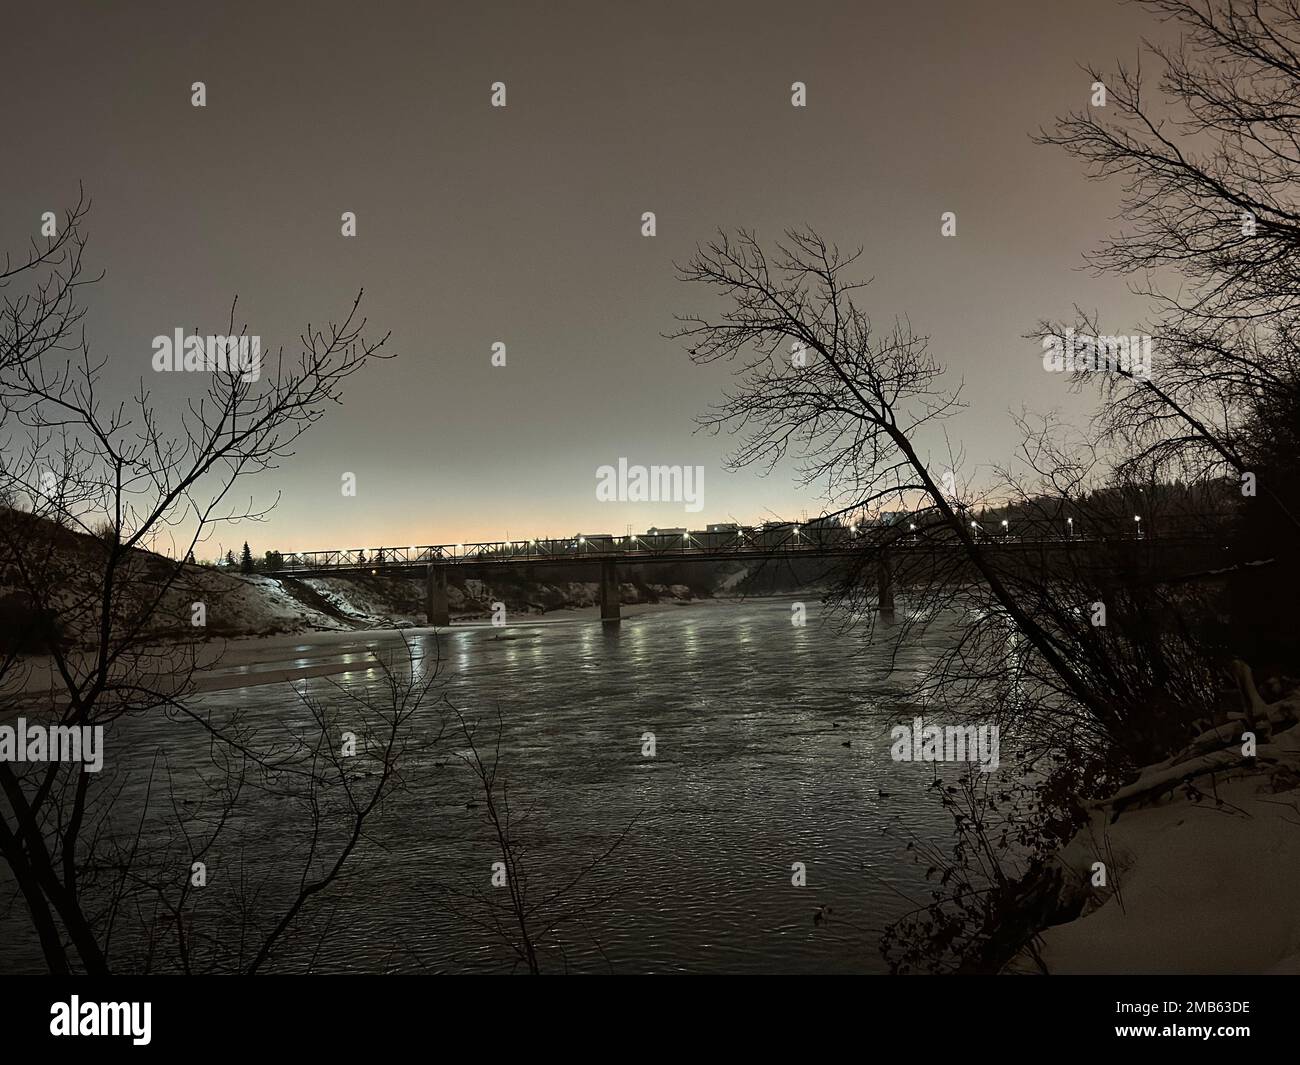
(1195, 866)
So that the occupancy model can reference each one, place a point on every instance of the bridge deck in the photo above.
(667, 548)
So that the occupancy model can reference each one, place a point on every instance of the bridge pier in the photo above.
(435, 595)
(885, 584)
(609, 607)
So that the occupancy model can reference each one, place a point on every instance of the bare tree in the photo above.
(93, 481)
(527, 917)
(1209, 165)
(304, 792)
(814, 373)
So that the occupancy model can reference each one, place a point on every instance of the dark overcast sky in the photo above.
(522, 224)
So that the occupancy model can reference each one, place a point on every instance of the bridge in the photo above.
(774, 540)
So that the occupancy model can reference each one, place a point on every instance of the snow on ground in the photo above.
(734, 582)
(353, 601)
(253, 604)
(1202, 857)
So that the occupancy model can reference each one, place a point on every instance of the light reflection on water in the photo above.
(772, 748)
(750, 715)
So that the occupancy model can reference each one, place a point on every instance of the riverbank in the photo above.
(1188, 869)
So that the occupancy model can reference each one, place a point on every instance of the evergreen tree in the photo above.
(246, 560)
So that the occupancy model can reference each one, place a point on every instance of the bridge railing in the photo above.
(777, 538)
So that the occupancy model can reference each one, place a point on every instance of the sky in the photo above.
(523, 224)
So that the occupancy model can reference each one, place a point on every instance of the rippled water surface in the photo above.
(772, 748)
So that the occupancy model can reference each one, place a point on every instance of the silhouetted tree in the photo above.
(527, 916)
(816, 374)
(1210, 177)
(105, 891)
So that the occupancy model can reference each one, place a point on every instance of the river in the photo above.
(771, 748)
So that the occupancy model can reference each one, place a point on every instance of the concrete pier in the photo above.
(435, 595)
(609, 611)
(885, 584)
